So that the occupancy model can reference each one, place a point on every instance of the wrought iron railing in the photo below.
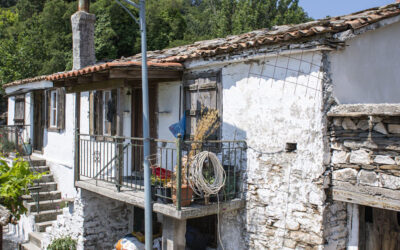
(119, 160)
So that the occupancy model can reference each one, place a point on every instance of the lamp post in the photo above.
(146, 126)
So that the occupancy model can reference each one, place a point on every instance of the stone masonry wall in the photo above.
(96, 222)
(366, 152)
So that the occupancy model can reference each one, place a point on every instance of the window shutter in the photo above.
(114, 120)
(48, 103)
(61, 109)
(91, 113)
(19, 109)
(98, 113)
(201, 90)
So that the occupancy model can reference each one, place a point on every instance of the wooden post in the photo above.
(179, 171)
(120, 142)
(77, 137)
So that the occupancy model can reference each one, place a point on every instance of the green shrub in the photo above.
(66, 243)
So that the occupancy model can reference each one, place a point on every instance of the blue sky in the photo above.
(321, 8)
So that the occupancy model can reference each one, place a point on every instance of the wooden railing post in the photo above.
(179, 171)
(77, 137)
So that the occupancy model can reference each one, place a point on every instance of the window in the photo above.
(53, 109)
(19, 110)
(103, 112)
(55, 114)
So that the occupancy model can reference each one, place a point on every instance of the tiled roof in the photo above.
(105, 66)
(279, 34)
(96, 68)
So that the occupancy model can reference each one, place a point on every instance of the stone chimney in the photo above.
(83, 36)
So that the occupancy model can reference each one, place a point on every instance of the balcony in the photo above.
(112, 166)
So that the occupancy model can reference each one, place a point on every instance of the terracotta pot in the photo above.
(186, 195)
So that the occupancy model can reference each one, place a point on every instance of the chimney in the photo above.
(83, 36)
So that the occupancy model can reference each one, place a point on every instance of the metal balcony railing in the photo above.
(119, 160)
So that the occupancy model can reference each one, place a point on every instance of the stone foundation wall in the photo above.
(96, 222)
(336, 225)
(365, 151)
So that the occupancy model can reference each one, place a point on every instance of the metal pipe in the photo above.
(83, 5)
(146, 132)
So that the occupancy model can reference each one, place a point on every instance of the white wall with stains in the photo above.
(367, 70)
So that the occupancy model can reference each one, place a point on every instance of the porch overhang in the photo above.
(115, 74)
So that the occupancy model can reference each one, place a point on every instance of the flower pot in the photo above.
(186, 196)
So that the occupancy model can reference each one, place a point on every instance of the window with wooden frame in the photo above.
(201, 90)
(103, 112)
(55, 114)
(19, 110)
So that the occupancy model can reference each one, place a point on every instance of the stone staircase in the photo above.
(49, 204)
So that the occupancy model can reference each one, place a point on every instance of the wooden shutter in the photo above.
(19, 109)
(48, 108)
(61, 109)
(114, 120)
(201, 90)
(98, 113)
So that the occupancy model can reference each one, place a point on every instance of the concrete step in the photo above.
(43, 196)
(41, 226)
(43, 205)
(29, 246)
(40, 169)
(45, 178)
(38, 162)
(47, 215)
(36, 238)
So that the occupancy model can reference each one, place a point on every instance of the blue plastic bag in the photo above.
(179, 127)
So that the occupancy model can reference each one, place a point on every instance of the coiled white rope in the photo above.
(196, 178)
(200, 185)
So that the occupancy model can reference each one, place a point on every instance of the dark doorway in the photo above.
(379, 229)
(38, 120)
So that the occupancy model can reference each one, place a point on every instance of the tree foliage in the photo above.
(14, 182)
(35, 35)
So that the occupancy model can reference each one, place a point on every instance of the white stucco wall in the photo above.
(269, 103)
(367, 70)
(168, 108)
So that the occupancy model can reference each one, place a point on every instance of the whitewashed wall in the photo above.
(11, 110)
(269, 103)
(367, 70)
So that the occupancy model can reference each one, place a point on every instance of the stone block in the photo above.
(308, 238)
(358, 144)
(380, 128)
(368, 178)
(389, 167)
(340, 157)
(360, 157)
(363, 125)
(347, 175)
(348, 124)
(337, 122)
(394, 128)
(384, 159)
(389, 181)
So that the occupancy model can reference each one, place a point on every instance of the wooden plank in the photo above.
(365, 199)
(137, 74)
(373, 191)
(109, 84)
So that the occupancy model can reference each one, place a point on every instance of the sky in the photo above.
(318, 9)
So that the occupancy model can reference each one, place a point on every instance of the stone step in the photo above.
(36, 238)
(30, 246)
(41, 226)
(47, 215)
(45, 178)
(47, 187)
(43, 196)
(40, 169)
(38, 162)
(43, 205)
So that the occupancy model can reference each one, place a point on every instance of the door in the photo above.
(137, 125)
(38, 120)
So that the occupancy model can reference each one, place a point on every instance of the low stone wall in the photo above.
(365, 158)
(96, 222)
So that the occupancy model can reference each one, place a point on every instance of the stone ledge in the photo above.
(136, 198)
(357, 110)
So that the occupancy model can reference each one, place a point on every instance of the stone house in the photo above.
(310, 126)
